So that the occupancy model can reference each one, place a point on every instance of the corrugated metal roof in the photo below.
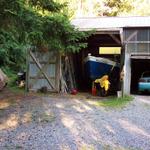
(101, 23)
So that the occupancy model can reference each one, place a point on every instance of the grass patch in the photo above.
(115, 102)
(16, 89)
(87, 147)
(8, 147)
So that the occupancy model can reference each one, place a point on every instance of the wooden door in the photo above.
(43, 71)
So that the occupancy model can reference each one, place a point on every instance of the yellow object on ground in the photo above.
(104, 82)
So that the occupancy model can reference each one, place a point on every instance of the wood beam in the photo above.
(104, 45)
(140, 57)
(131, 36)
(115, 38)
(121, 35)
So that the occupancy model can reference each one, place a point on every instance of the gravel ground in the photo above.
(73, 123)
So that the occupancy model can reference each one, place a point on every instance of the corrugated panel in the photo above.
(40, 83)
(110, 22)
(34, 70)
(138, 34)
(137, 40)
(143, 35)
(131, 47)
(142, 48)
(48, 63)
(51, 70)
(128, 33)
(138, 48)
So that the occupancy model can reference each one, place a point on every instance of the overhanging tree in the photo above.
(41, 23)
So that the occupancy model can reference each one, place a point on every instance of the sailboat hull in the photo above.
(96, 66)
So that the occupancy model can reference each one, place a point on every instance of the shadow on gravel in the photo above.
(47, 122)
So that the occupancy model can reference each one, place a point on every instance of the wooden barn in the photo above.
(130, 34)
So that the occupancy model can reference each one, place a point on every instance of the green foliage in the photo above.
(100, 8)
(40, 23)
(11, 51)
(61, 35)
(141, 8)
(46, 5)
(117, 6)
(112, 7)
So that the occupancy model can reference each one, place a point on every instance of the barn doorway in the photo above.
(139, 64)
(95, 42)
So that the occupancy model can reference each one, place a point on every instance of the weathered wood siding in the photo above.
(49, 63)
(136, 41)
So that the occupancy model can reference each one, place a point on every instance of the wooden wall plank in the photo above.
(40, 68)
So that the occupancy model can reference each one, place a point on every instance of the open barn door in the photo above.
(140, 63)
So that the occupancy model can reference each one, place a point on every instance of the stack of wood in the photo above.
(67, 75)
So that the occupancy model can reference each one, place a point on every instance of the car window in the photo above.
(146, 74)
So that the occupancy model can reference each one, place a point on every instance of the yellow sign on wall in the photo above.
(110, 50)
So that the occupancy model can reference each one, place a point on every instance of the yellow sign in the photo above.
(110, 50)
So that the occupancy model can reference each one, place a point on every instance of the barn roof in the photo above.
(108, 23)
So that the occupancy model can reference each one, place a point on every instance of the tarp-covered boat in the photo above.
(97, 66)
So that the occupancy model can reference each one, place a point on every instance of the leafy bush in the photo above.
(38, 23)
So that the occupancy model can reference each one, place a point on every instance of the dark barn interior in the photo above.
(138, 66)
(94, 42)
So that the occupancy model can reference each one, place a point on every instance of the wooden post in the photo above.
(58, 72)
(27, 71)
(121, 36)
(127, 73)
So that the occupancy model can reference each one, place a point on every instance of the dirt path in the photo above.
(72, 123)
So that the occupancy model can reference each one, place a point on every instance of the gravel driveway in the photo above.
(73, 123)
